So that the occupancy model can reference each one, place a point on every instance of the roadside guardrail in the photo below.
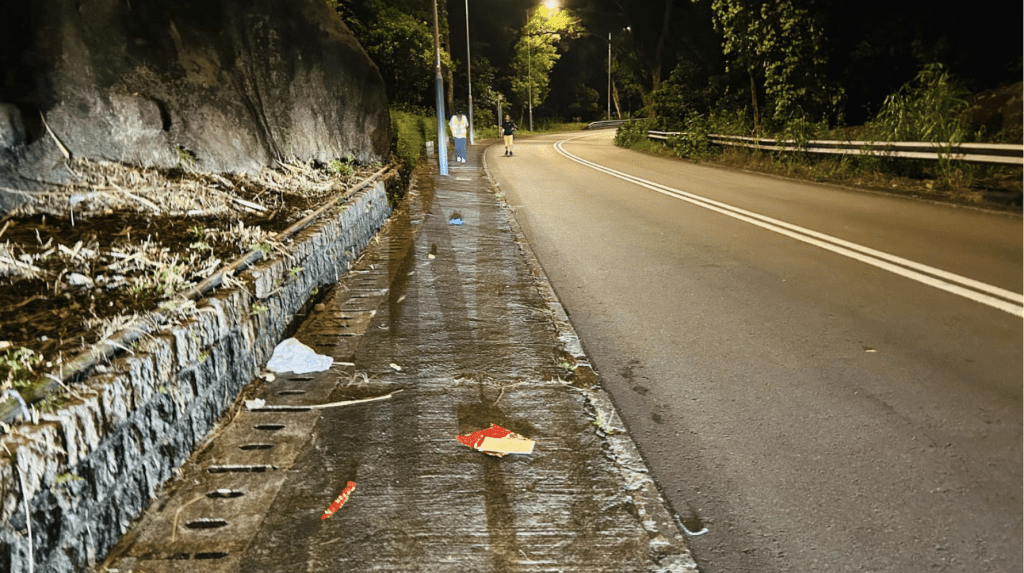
(606, 124)
(991, 153)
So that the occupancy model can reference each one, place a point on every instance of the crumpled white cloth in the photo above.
(294, 356)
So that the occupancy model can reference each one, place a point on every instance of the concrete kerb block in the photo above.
(8, 482)
(77, 428)
(266, 278)
(160, 349)
(36, 454)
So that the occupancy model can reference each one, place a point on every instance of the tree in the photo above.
(399, 38)
(485, 96)
(779, 45)
(536, 52)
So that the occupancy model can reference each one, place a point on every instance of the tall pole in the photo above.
(442, 136)
(529, 73)
(469, 78)
(609, 75)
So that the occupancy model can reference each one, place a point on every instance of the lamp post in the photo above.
(442, 136)
(628, 29)
(469, 78)
(529, 77)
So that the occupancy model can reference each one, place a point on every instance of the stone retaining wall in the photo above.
(91, 468)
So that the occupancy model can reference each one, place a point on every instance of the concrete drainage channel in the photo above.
(72, 484)
(208, 517)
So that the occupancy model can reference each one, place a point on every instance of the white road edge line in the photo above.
(996, 297)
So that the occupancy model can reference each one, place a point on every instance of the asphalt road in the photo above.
(814, 402)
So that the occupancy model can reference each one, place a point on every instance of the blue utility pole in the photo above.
(442, 135)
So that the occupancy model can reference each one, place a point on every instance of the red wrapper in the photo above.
(475, 439)
(340, 501)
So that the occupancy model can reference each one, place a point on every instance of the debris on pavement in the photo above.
(293, 356)
(497, 441)
(395, 367)
(261, 405)
(340, 501)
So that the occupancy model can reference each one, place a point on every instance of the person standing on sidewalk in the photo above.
(507, 130)
(460, 127)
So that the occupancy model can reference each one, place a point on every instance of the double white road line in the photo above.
(977, 291)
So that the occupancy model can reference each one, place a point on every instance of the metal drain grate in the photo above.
(206, 523)
(253, 468)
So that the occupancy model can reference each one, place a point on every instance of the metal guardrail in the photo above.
(607, 124)
(990, 153)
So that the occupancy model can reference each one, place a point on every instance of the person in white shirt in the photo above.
(460, 127)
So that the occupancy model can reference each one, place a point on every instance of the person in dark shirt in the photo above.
(507, 130)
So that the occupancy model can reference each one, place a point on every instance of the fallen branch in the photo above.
(21, 265)
(145, 202)
(63, 150)
(258, 405)
(174, 526)
(351, 402)
(245, 203)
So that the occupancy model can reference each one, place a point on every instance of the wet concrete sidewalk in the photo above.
(460, 319)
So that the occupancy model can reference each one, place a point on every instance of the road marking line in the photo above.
(987, 294)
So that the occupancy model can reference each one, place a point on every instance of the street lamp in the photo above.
(469, 78)
(628, 29)
(529, 78)
(442, 136)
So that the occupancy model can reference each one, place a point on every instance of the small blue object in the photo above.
(454, 221)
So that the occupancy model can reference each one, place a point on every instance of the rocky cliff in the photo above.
(219, 85)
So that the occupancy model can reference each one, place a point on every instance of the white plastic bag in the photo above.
(294, 356)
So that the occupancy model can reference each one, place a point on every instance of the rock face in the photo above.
(997, 112)
(223, 85)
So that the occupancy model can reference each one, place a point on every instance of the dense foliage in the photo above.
(536, 52)
(925, 109)
(410, 132)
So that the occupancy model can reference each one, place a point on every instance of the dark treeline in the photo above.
(828, 62)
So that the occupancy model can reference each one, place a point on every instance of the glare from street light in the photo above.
(551, 4)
